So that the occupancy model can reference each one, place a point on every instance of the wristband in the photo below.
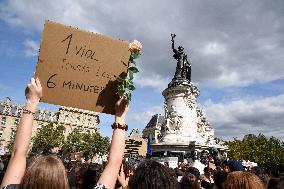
(116, 125)
(26, 111)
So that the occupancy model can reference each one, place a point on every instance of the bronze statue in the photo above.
(183, 69)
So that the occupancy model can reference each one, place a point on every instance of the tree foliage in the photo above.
(85, 143)
(51, 137)
(264, 151)
(48, 138)
(10, 146)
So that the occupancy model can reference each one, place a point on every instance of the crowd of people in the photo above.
(49, 172)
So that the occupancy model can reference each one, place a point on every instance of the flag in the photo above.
(149, 151)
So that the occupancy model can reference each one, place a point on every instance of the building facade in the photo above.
(11, 113)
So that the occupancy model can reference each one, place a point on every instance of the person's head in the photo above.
(276, 183)
(152, 175)
(189, 181)
(194, 171)
(219, 178)
(45, 172)
(235, 165)
(225, 166)
(207, 171)
(91, 176)
(243, 180)
(258, 171)
(274, 173)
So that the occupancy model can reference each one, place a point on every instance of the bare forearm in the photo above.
(17, 164)
(117, 147)
(108, 177)
(24, 131)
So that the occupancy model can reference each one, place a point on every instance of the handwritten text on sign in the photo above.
(135, 147)
(79, 68)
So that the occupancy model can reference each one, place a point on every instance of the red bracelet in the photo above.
(26, 111)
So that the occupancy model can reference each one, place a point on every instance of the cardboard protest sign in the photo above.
(135, 147)
(79, 68)
(212, 166)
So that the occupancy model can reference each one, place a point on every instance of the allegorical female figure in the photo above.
(183, 69)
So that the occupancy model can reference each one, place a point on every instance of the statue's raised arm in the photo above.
(173, 42)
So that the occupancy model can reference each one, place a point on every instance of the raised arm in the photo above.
(109, 175)
(173, 42)
(17, 164)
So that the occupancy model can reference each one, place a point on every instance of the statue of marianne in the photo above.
(183, 69)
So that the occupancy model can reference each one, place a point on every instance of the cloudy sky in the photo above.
(236, 50)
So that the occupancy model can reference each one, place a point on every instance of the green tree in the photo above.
(73, 142)
(48, 138)
(264, 151)
(85, 143)
(10, 146)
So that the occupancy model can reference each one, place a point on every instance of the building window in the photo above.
(39, 126)
(13, 134)
(47, 116)
(19, 112)
(16, 122)
(66, 120)
(7, 110)
(14, 110)
(89, 122)
(2, 107)
(3, 121)
(37, 114)
(1, 132)
(53, 117)
(78, 121)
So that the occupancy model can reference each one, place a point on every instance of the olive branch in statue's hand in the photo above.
(173, 36)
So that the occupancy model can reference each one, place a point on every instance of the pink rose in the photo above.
(135, 46)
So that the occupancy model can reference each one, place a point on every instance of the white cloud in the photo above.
(155, 81)
(143, 117)
(32, 14)
(214, 48)
(31, 47)
(240, 117)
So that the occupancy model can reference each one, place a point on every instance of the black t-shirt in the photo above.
(207, 185)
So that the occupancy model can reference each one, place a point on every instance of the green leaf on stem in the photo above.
(135, 55)
(131, 87)
(133, 69)
(130, 74)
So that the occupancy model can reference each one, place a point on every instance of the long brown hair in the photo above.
(45, 172)
(243, 180)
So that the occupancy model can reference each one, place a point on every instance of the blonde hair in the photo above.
(45, 172)
(243, 180)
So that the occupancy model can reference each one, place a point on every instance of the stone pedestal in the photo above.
(180, 126)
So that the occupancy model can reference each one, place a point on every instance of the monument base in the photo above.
(190, 150)
(176, 139)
